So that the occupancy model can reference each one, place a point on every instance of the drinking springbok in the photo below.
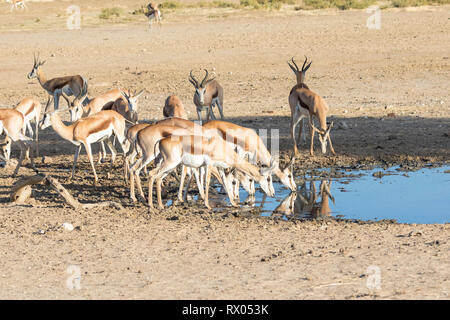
(249, 143)
(197, 151)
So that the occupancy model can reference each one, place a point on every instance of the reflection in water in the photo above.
(307, 203)
(422, 196)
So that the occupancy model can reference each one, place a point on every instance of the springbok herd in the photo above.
(234, 154)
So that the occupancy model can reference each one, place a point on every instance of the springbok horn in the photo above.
(307, 67)
(195, 80)
(294, 63)
(206, 76)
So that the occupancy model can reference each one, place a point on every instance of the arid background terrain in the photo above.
(388, 92)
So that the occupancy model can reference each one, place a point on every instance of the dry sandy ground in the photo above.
(402, 70)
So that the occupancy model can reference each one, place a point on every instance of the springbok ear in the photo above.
(139, 94)
(273, 164)
(42, 62)
(123, 93)
(291, 162)
(329, 127)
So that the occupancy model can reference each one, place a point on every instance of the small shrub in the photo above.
(107, 13)
(170, 5)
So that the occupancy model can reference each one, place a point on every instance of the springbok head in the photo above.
(248, 183)
(324, 136)
(76, 106)
(37, 63)
(132, 99)
(231, 184)
(266, 180)
(286, 175)
(200, 88)
(46, 119)
(300, 74)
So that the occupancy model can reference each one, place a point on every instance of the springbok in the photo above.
(197, 151)
(146, 144)
(150, 134)
(153, 13)
(305, 103)
(11, 124)
(132, 152)
(250, 144)
(128, 107)
(65, 86)
(16, 4)
(207, 94)
(99, 103)
(31, 109)
(173, 107)
(84, 132)
(104, 101)
(134, 148)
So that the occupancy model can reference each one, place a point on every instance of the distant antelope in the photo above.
(31, 109)
(11, 124)
(305, 103)
(173, 107)
(153, 13)
(95, 128)
(16, 4)
(65, 86)
(207, 94)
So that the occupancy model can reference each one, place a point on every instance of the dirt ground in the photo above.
(388, 95)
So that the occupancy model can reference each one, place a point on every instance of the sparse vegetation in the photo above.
(170, 5)
(108, 13)
(297, 4)
(271, 4)
(416, 3)
(339, 4)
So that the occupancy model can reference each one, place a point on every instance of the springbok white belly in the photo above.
(100, 135)
(194, 160)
